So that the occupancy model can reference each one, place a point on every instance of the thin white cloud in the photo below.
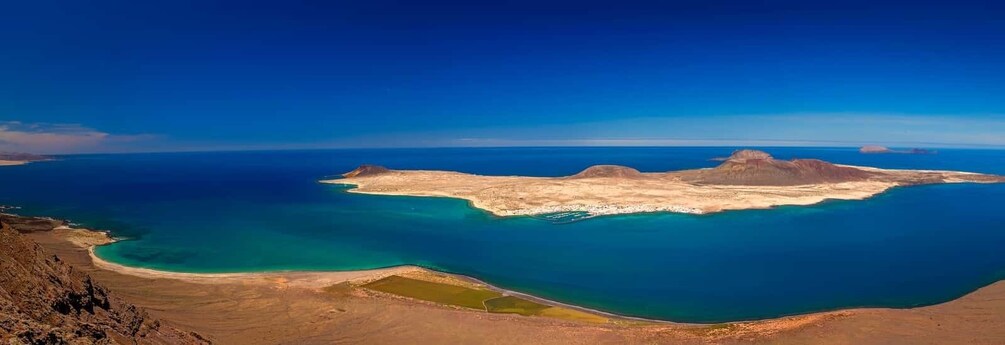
(803, 129)
(495, 142)
(16, 136)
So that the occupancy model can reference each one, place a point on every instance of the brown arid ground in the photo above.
(327, 308)
(15, 158)
(748, 179)
(44, 300)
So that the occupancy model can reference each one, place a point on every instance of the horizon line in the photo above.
(272, 149)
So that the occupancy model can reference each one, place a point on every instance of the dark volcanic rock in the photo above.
(26, 157)
(608, 171)
(30, 224)
(882, 149)
(757, 168)
(917, 151)
(45, 301)
(366, 170)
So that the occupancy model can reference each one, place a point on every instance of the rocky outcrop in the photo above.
(24, 224)
(917, 151)
(366, 170)
(743, 155)
(883, 149)
(758, 168)
(874, 149)
(46, 301)
(608, 171)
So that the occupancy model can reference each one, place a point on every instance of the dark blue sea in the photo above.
(265, 211)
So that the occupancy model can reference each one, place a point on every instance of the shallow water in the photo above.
(257, 211)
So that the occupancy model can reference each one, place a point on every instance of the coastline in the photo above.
(89, 240)
(308, 279)
(321, 279)
(205, 303)
(505, 196)
(616, 209)
(12, 163)
(7, 162)
(592, 210)
(748, 179)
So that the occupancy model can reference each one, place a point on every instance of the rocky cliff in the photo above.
(46, 301)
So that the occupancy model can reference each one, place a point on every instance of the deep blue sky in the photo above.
(180, 75)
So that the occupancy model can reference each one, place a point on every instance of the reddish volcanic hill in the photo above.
(740, 155)
(608, 171)
(757, 168)
(366, 170)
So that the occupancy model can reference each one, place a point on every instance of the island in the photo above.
(17, 158)
(748, 179)
(872, 149)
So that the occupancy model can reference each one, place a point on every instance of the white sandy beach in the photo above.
(10, 163)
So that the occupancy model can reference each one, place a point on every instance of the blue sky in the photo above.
(121, 76)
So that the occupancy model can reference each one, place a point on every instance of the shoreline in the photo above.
(7, 163)
(321, 279)
(327, 278)
(637, 192)
(296, 307)
(88, 240)
(600, 210)
(311, 279)
(596, 210)
(592, 210)
(614, 210)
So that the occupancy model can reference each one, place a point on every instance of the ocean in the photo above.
(265, 211)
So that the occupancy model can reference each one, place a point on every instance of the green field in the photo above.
(514, 305)
(480, 299)
(434, 292)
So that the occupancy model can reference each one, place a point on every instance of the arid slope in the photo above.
(45, 301)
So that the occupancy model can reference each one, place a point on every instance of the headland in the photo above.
(15, 158)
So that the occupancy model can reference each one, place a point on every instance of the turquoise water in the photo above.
(261, 211)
